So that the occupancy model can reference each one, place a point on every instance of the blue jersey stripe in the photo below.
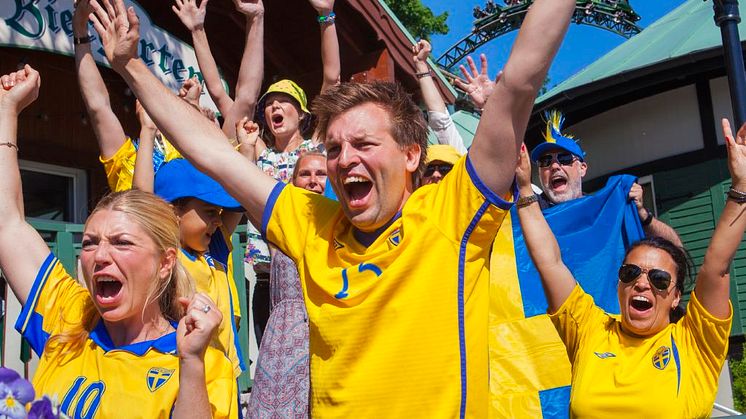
(28, 310)
(461, 326)
(269, 206)
(676, 359)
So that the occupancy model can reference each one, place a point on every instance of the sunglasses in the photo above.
(564, 159)
(658, 278)
(442, 168)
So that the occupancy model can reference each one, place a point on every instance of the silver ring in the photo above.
(206, 308)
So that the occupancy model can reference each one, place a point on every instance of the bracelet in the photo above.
(648, 218)
(736, 196)
(525, 201)
(327, 20)
(423, 74)
(10, 145)
(84, 40)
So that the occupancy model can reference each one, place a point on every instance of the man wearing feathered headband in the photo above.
(562, 166)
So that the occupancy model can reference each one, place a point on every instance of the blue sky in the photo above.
(583, 44)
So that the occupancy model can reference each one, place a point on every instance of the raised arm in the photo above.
(494, 152)
(713, 280)
(106, 125)
(193, 336)
(22, 250)
(557, 280)
(144, 174)
(330, 61)
(198, 139)
(438, 117)
(193, 18)
(251, 72)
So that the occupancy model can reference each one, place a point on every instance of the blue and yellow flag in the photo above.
(529, 369)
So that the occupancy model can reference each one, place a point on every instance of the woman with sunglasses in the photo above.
(653, 360)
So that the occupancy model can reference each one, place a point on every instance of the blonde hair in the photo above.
(158, 220)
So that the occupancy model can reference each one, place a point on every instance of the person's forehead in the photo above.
(366, 119)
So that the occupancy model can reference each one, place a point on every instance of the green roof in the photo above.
(687, 29)
(466, 124)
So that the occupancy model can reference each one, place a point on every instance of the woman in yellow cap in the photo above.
(282, 111)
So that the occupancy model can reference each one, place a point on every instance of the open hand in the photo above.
(19, 89)
(191, 15)
(477, 84)
(251, 8)
(421, 50)
(736, 147)
(191, 90)
(197, 327)
(119, 30)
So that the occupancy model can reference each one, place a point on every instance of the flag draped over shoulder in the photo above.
(529, 369)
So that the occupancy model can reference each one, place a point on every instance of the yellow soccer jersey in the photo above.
(101, 380)
(120, 168)
(673, 374)
(398, 328)
(210, 277)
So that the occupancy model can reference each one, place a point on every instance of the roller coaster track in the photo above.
(495, 20)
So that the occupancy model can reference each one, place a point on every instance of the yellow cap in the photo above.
(442, 152)
(289, 88)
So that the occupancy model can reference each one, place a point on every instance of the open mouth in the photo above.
(277, 119)
(558, 183)
(641, 304)
(357, 190)
(107, 289)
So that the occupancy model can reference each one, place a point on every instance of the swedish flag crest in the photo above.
(662, 357)
(395, 237)
(157, 377)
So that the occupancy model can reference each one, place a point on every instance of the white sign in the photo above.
(46, 25)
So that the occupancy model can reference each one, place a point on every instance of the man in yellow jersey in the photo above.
(395, 280)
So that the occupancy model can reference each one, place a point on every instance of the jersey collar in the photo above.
(165, 343)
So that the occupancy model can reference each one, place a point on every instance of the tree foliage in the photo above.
(418, 18)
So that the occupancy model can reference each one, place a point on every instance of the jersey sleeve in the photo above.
(709, 336)
(120, 167)
(55, 299)
(462, 204)
(222, 387)
(292, 214)
(575, 317)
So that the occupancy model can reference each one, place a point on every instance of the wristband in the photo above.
(648, 219)
(525, 201)
(423, 74)
(327, 20)
(9, 145)
(736, 196)
(84, 40)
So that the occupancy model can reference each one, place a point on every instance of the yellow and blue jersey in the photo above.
(672, 374)
(99, 379)
(212, 276)
(120, 168)
(398, 328)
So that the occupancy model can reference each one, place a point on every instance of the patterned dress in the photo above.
(281, 382)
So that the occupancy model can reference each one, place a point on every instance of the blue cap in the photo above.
(180, 179)
(555, 140)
